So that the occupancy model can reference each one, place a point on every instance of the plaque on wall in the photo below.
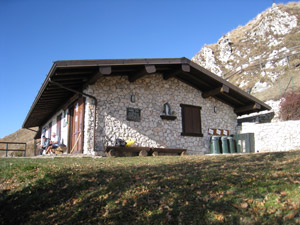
(220, 132)
(133, 114)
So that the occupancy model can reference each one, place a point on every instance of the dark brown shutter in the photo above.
(191, 120)
(196, 120)
(188, 120)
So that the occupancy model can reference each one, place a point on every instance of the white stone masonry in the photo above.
(151, 93)
(279, 136)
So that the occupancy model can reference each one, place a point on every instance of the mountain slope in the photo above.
(262, 57)
(21, 135)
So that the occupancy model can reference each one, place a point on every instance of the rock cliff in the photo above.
(262, 57)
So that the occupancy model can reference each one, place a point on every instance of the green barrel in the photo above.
(231, 145)
(214, 145)
(224, 145)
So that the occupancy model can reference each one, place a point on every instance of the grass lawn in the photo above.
(233, 189)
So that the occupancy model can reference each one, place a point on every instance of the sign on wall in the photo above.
(133, 114)
(219, 132)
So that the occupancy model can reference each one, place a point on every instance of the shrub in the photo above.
(290, 106)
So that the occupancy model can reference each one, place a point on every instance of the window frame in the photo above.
(184, 133)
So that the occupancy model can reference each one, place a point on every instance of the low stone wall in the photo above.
(279, 136)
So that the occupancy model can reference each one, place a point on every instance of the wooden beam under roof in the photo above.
(247, 108)
(70, 82)
(148, 69)
(184, 68)
(61, 73)
(51, 98)
(103, 70)
(190, 83)
(52, 88)
(67, 78)
(216, 91)
(50, 93)
(71, 100)
(195, 78)
(227, 96)
(48, 102)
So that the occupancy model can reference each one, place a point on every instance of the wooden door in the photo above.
(77, 119)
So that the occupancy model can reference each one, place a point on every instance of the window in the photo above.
(191, 120)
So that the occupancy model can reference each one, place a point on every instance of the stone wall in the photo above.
(151, 93)
(279, 136)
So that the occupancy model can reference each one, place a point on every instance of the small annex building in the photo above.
(163, 103)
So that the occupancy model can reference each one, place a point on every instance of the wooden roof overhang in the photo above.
(77, 74)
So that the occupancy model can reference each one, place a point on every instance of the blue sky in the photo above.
(35, 33)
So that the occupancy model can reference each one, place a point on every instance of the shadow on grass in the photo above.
(189, 192)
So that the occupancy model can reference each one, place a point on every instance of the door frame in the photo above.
(70, 119)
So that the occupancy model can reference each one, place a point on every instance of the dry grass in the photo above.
(277, 90)
(234, 189)
(21, 135)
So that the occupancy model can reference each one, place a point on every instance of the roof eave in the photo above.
(119, 62)
(44, 85)
(136, 62)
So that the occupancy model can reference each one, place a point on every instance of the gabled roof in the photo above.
(77, 74)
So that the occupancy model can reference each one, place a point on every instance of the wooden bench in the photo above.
(167, 151)
(142, 151)
(127, 151)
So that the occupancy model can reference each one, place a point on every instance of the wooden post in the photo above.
(143, 153)
(34, 146)
(155, 153)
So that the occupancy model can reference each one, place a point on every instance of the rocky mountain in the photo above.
(262, 57)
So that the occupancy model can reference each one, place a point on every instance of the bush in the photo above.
(290, 106)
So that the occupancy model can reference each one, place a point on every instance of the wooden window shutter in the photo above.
(191, 120)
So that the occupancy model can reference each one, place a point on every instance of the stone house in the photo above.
(165, 103)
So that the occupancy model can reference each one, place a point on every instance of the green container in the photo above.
(231, 144)
(245, 143)
(224, 145)
(215, 145)
(238, 147)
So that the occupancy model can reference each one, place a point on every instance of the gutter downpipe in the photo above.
(87, 95)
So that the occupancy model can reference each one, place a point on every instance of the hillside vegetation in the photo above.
(262, 57)
(233, 189)
(21, 135)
